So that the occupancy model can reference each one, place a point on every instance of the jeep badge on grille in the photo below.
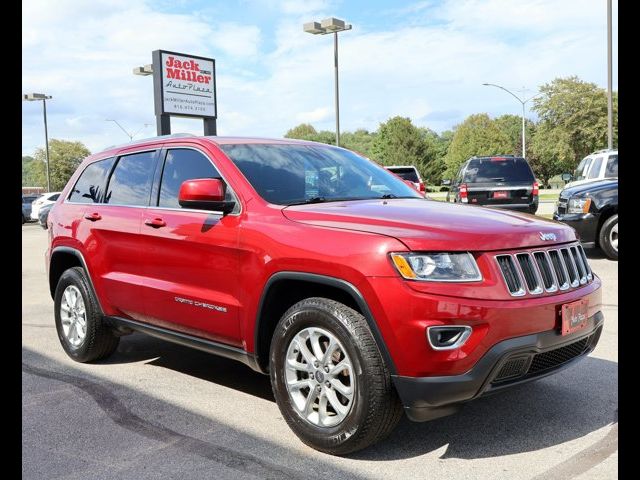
(547, 236)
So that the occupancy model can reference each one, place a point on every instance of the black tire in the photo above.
(99, 341)
(604, 237)
(376, 407)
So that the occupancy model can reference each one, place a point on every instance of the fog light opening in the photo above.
(448, 337)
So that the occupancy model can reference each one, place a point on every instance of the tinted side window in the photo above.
(88, 188)
(180, 165)
(595, 168)
(612, 166)
(130, 182)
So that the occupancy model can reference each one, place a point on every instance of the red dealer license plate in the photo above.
(574, 316)
(500, 195)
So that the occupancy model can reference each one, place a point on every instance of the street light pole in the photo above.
(523, 102)
(331, 25)
(46, 141)
(31, 97)
(130, 135)
(337, 94)
(609, 81)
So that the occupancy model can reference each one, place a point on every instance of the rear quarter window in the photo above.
(90, 185)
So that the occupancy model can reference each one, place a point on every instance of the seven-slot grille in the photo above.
(547, 270)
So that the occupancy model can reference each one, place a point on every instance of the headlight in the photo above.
(437, 266)
(579, 205)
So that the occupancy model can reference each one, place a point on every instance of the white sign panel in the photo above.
(188, 85)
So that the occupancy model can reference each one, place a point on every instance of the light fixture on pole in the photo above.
(523, 102)
(130, 135)
(32, 97)
(331, 25)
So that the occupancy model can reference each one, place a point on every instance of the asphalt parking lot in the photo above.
(157, 410)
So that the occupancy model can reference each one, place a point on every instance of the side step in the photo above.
(187, 340)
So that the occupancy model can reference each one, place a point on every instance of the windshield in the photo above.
(578, 174)
(489, 170)
(292, 174)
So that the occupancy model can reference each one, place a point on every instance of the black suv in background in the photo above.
(592, 209)
(502, 181)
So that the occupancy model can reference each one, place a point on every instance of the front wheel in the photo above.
(608, 238)
(329, 379)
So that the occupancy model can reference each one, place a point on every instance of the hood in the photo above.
(589, 187)
(431, 225)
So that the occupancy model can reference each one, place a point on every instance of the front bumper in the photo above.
(426, 398)
(586, 225)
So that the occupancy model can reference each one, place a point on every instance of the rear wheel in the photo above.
(608, 237)
(81, 329)
(329, 378)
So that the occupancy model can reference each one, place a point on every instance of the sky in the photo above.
(425, 60)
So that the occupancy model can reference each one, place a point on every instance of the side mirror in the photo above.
(566, 177)
(446, 182)
(204, 194)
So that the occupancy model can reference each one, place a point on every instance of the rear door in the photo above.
(192, 259)
(113, 241)
(499, 181)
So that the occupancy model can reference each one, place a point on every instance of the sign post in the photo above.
(184, 86)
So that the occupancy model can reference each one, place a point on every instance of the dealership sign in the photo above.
(186, 85)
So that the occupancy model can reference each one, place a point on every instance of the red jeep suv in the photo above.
(313, 264)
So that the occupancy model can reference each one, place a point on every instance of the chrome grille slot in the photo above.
(559, 269)
(530, 273)
(586, 264)
(544, 266)
(545, 271)
(510, 275)
(570, 266)
(577, 260)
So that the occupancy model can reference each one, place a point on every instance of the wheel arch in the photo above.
(606, 213)
(63, 258)
(284, 289)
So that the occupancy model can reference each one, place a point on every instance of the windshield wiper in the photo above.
(310, 200)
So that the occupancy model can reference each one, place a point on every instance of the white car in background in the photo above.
(41, 201)
(596, 166)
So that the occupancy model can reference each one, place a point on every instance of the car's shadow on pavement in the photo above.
(551, 411)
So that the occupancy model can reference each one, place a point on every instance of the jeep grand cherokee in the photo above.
(314, 265)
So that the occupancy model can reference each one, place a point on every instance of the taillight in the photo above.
(422, 187)
(463, 193)
(535, 189)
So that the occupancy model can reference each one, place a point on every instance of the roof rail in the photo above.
(604, 150)
(158, 137)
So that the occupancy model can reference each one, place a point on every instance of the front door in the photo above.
(192, 260)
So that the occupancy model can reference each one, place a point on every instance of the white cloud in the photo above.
(316, 115)
(429, 65)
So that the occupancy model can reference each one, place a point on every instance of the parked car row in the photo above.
(33, 204)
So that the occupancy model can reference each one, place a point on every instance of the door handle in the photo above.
(93, 216)
(155, 222)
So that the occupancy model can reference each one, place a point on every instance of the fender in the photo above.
(332, 282)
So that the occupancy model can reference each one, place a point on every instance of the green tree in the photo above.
(573, 113)
(552, 153)
(64, 157)
(437, 148)
(33, 172)
(399, 142)
(477, 135)
(359, 141)
(511, 125)
(304, 131)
